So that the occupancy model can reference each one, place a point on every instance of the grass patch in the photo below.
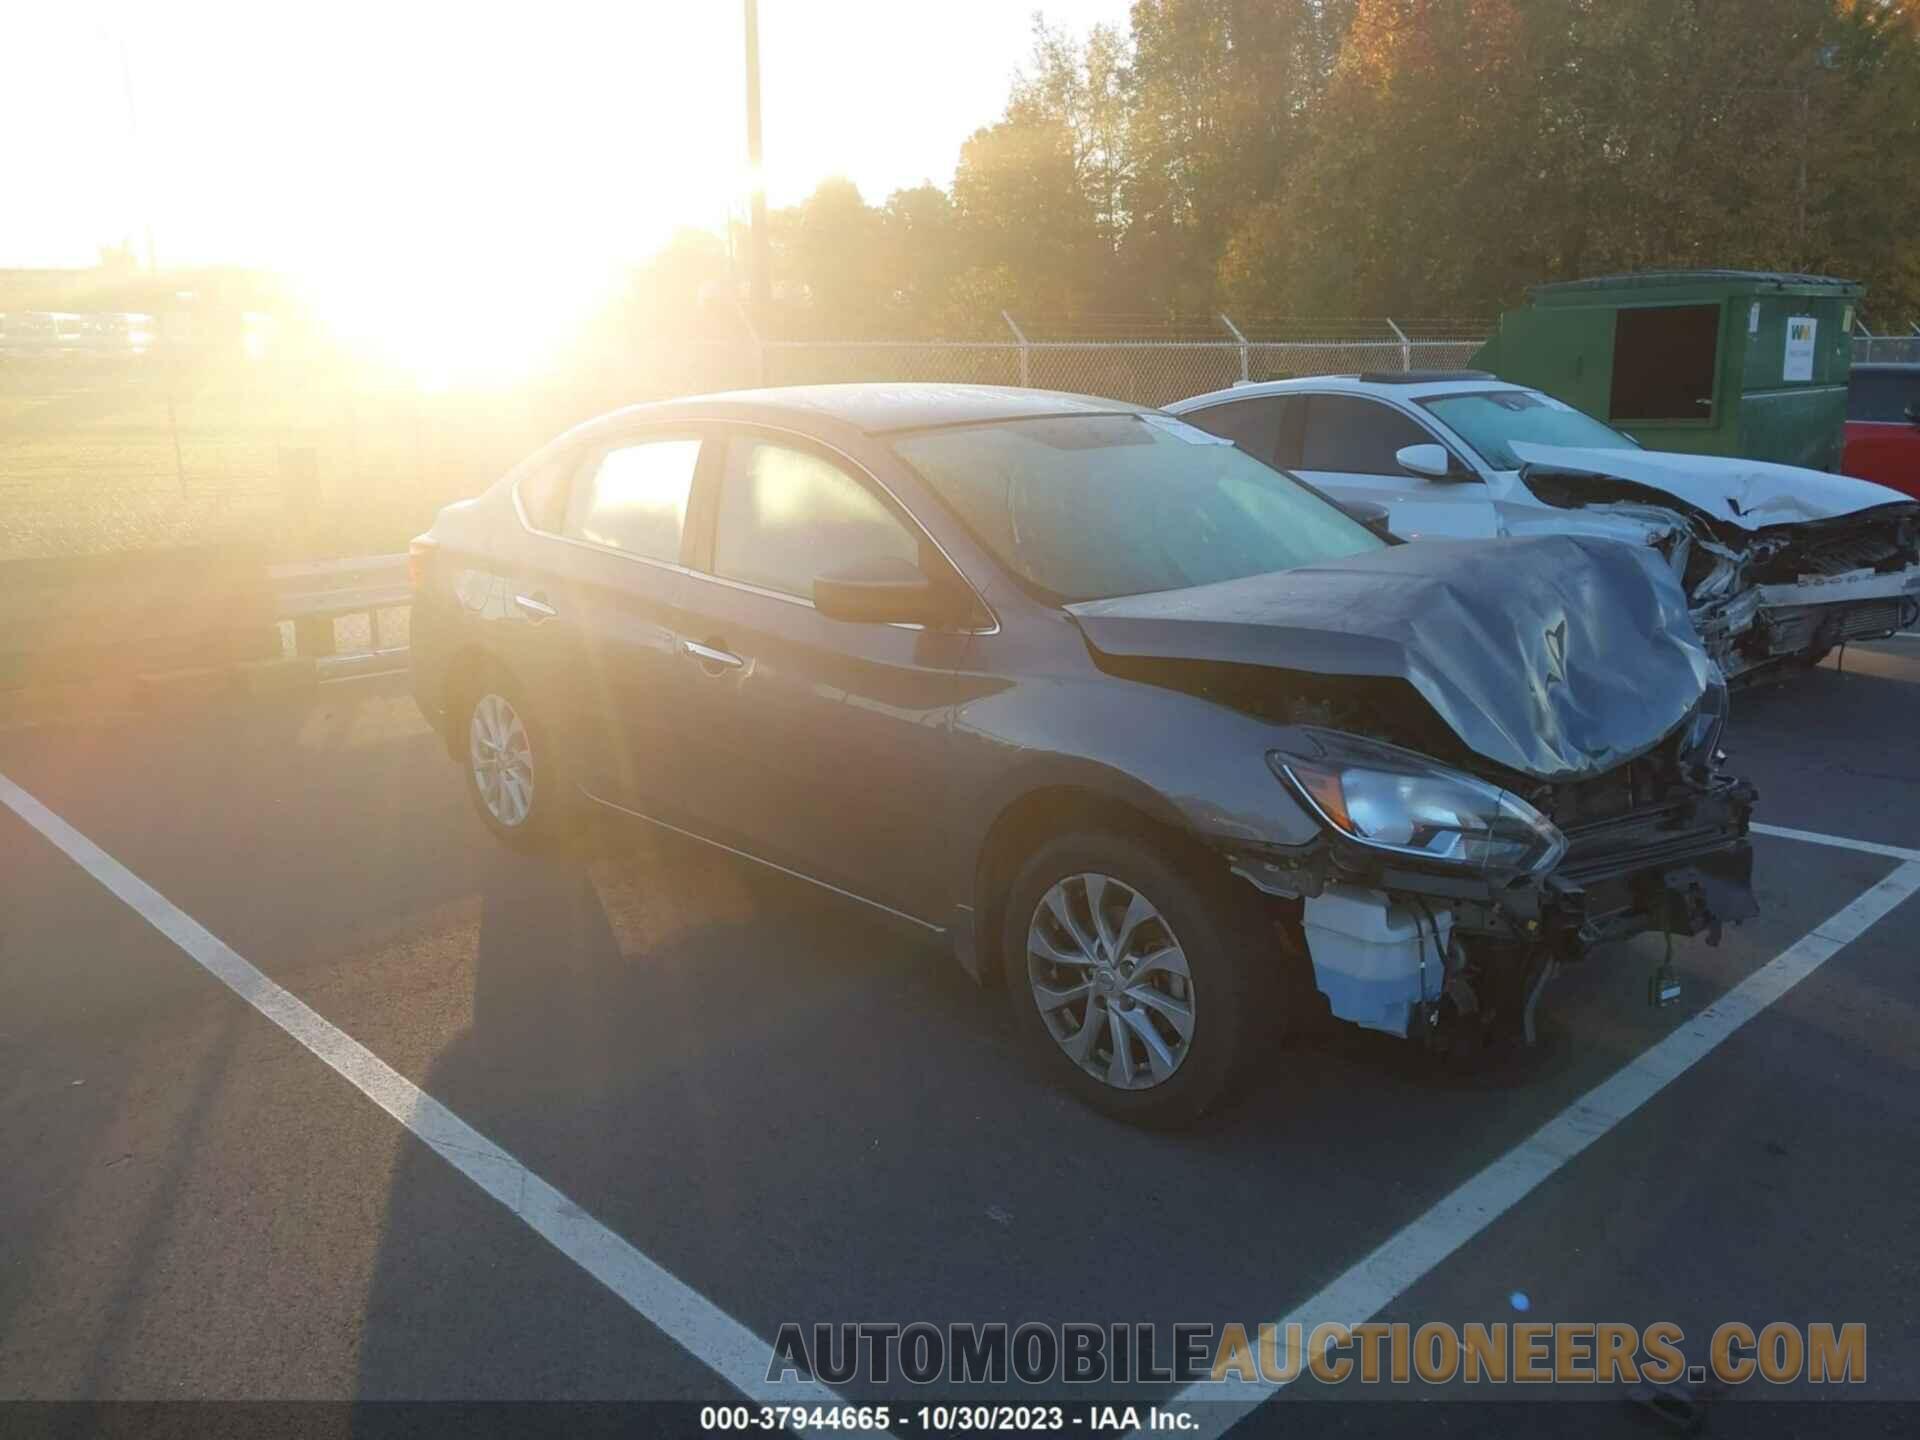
(310, 470)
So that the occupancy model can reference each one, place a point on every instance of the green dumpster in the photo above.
(1718, 362)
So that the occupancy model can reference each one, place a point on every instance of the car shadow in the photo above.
(807, 1115)
(796, 1108)
(1815, 734)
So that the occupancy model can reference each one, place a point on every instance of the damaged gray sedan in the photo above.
(1145, 730)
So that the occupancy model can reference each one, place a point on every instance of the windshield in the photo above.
(1882, 394)
(1492, 420)
(1086, 507)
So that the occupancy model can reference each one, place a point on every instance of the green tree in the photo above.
(833, 247)
(1868, 195)
(921, 246)
(1405, 157)
(1082, 85)
(680, 288)
(1222, 93)
(1022, 208)
(1467, 148)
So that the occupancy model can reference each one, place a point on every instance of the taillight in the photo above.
(419, 560)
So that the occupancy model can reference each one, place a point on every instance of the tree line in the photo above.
(1368, 157)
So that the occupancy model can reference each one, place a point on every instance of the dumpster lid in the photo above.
(1742, 279)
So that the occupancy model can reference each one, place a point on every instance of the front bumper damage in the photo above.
(1810, 618)
(1764, 595)
(1772, 624)
(1423, 952)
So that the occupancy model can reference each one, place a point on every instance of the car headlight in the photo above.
(1392, 799)
(1709, 723)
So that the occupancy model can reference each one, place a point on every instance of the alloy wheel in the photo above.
(502, 760)
(1111, 981)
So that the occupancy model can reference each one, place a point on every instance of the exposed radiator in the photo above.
(1871, 617)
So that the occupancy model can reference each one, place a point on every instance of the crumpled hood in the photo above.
(1557, 656)
(1750, 494)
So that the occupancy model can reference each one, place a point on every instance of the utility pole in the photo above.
(133, 147)
(762, 287)
(1805, 121)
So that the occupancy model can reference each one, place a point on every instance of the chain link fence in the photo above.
(100, 454)
(105, 449)
(1895, 349)
(1169, 362)
(827, 362)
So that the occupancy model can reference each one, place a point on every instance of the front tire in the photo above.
(1133, 979)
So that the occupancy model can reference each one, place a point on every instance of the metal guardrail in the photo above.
(314, 595)
(340, 587)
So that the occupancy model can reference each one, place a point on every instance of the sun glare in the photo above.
(460, 322)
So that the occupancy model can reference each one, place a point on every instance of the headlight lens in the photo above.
(1709, 721)
(1392, 799)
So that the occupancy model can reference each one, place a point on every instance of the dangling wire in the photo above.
(1439, 955)
(1664, 976)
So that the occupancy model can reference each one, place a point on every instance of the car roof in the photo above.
(1400, 388)
(1885, 367)
(881, 409)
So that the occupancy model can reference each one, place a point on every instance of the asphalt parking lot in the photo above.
(792, 1112)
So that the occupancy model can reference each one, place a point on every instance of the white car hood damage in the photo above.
(1749, 494)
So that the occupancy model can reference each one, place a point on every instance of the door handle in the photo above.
(707, 655)
(536, 606)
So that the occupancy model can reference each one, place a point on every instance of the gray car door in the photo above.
(594, 589)
(816, 744)
(1347, 448)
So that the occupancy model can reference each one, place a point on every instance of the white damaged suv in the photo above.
(1780, 564)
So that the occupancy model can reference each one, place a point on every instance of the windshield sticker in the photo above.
(1181, 430)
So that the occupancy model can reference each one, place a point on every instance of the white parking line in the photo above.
(1838, 842)
(740, 1357)
(364, 675)
(708, 1333)
(1377, 1280)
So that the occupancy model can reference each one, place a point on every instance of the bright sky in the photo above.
(415, 153)
(281, 134)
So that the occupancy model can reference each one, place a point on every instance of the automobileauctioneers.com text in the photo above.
(1521, 1352)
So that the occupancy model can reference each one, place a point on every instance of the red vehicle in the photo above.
(1883, 426)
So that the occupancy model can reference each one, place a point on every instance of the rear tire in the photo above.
(515, 774)
(1137, 983)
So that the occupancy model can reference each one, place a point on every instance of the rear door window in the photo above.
(632, 496)
(1353, 435)
(543, 486)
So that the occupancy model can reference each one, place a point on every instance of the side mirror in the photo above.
(1369, 513)
(883, 591)
(1432, 461)
(1913, 410)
